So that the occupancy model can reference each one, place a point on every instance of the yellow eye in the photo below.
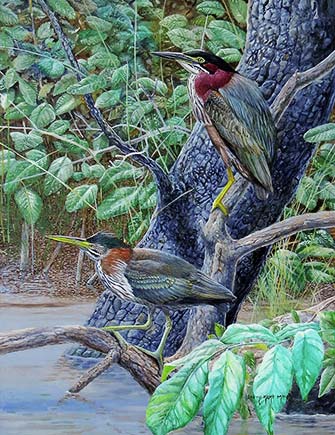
(201, 60)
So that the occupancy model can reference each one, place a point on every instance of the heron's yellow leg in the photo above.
(144, 327)
(218, 200)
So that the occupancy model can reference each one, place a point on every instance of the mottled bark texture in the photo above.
(284, 36)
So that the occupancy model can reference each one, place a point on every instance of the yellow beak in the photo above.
(76, 241)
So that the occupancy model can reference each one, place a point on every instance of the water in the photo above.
(33, 385)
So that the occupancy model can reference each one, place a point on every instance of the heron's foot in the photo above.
(144, 327)
(218, 200)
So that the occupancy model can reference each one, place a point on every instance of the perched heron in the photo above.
(236, 116)
(148, 277)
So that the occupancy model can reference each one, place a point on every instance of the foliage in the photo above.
(227, 365)
(54, 151)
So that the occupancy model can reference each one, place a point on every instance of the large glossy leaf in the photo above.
(52, 68)
(118, 202)
(81, 197)
(183, 38)
(327, 323)
(121, 171)
(177, 400)
(238, 333)
(7, 16)
(227, 34)
(25, 141)
(272, 384)
(66, 103)
(108, 99)
(61, 169)
(307, 353)
(20, 111)
(59, 127)
(322, 133)
(239, 10)
(87, 85)
(327, 381)
(64, 83)
(230, 55)
(29, 204)
(6, 159)
(226, 382)
(43, 115)
(28, 92)
(292, 329)
(99, 24)
(175, 21)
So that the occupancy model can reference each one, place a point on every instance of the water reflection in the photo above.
(33, 385)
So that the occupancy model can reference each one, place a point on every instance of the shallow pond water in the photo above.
(33, 385)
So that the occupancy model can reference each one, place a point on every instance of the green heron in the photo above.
(148, 277)
(236, 116)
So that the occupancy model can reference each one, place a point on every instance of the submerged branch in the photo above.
(162, 179)
(299, 81)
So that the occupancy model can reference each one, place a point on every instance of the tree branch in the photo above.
(142, 367)
(299, 81)
(162, 179)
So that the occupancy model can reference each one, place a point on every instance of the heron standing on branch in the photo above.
(236, 116)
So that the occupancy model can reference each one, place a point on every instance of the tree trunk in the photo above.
(284, 36)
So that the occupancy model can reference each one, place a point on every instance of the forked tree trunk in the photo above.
(284, 36)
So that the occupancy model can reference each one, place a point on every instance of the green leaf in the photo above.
(177, 400)
(66, 103)
(316, 251)
(121, 171)
(307, 193)
(327, 381)
(28, 92)
(119, 202)
(99, 24)
(92, 171)
(104, 59)
(272, 385)
(45, 31)
(59, 127)
(327, 323)
(108, 99)
(239, 9)
(11, 77)
(226, 34)
(230, 55)
(24, 141)
(327, 191)
(238, 333)
(7, 16)
(175, 21)
(23, 61)
(226, 382)
(289, 331)
(63, 8)
(307, 353)
(318, 272)
(91, 37)
(29, 204)
(64, 83)
(322, 133)
(20, 111)
(210, 7)
(45, 90)
(52, 68)
(59, 172)
(43, 115)
(290, 269)
(149, 85)
(7, 158)
(87, 85)
(183, 38)
(81, 197)
(119, 76)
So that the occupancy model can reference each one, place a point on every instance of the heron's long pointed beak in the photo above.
(76, 241)
(179, 57)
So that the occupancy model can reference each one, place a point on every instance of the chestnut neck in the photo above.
(205, 82)
(116, 260)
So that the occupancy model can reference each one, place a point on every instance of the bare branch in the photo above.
(112, 357)
(279, 230)
(299, 81)
(162, 179)
(142, 367)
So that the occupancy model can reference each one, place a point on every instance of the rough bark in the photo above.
(284, 36)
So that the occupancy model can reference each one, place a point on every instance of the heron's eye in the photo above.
(201, 60)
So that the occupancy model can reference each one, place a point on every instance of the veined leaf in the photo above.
(43, 115)
(66, 103)
(11, 77)
(7, 16)
(226, 382)
(104, 59)
(307, 353)
(6, 159)
(119, 202)
(211, 7)
(292, 329)
(238, 333)
(23, 61)
(29, 204)
(327, 323)
(59, 127)
(177, 400)
(81, 197)
(230, 55)
(24, 141)
(239, 10)
(226, 33)
(87, 85)
(317, 251)
(108, 99)
(91, 37)
(92, 171)
(327, 381)
(120, 75)
(322, 133)
(175, 21)
(272, 384)
(28, 92)
(183, 38)
(52, 68)
(63, 8)
(59, 172)
(64, 83)
(121, 171)
(20, 111)
(99, 24)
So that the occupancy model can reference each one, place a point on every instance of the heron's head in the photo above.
(96, 246)
(196, 61)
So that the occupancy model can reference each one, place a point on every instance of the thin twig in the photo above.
(299, 81)
(162, 179)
